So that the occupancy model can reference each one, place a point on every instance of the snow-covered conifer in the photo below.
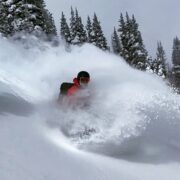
(50, 28)
(6, 18)
(27, 16)
(176, 52)
(160, 65)
(80, 33)
(72, 25)
(116, 44)
(133, 49)
(64, 29)
(99, 39)
(176, 62)
(89, 30)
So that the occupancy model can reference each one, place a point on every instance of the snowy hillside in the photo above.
(133, 121)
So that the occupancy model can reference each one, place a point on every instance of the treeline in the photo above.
(76, 33)
(32, 17)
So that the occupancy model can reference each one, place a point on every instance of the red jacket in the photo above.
(73, 90)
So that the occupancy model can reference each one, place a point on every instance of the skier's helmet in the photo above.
(83, 77)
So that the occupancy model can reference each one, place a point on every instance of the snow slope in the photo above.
(135, 118)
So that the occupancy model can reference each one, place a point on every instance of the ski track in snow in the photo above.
(132, 125)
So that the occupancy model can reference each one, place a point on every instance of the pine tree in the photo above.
(27, 16)
(98, 39)
(125, 36)
(6, 18)
(80, 37)
(160, 66)
(176, 62)
(150, 65)
(176, 52)
(78, 33)
(122, 36)
(89, 30)
(116, 45)
(64, 29)
(133, 49)
(39, 3)
(72, 25)
(50, 28)
(140, 53)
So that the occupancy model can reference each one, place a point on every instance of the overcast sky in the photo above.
(158, 19)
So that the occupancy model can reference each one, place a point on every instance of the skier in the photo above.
(76, 92)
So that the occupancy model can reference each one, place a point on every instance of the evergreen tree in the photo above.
(176, 52)
(98, 39)
(150, 65)
(6, 18)
(176, 62)
(122, 31)
(89, 30)
(133, 49)
(116, 45)
(160, 66)
(27, 16)
(39, 3)
(80, 32)
(72, 25)
(64, 29)
(50, 28)
(140, 53)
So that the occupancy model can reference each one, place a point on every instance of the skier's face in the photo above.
(84, 81)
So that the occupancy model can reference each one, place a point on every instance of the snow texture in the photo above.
(129, 131)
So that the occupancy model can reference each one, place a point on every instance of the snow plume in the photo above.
(131, 115)
(124, 101)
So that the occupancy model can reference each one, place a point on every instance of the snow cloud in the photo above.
(133, 116)
(123, 100)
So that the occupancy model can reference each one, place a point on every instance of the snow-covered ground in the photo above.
(130, 131)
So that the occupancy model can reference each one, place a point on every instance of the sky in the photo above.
(158, 19)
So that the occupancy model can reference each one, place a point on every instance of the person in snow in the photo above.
(75, 93)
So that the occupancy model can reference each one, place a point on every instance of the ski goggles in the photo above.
(84, 80)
